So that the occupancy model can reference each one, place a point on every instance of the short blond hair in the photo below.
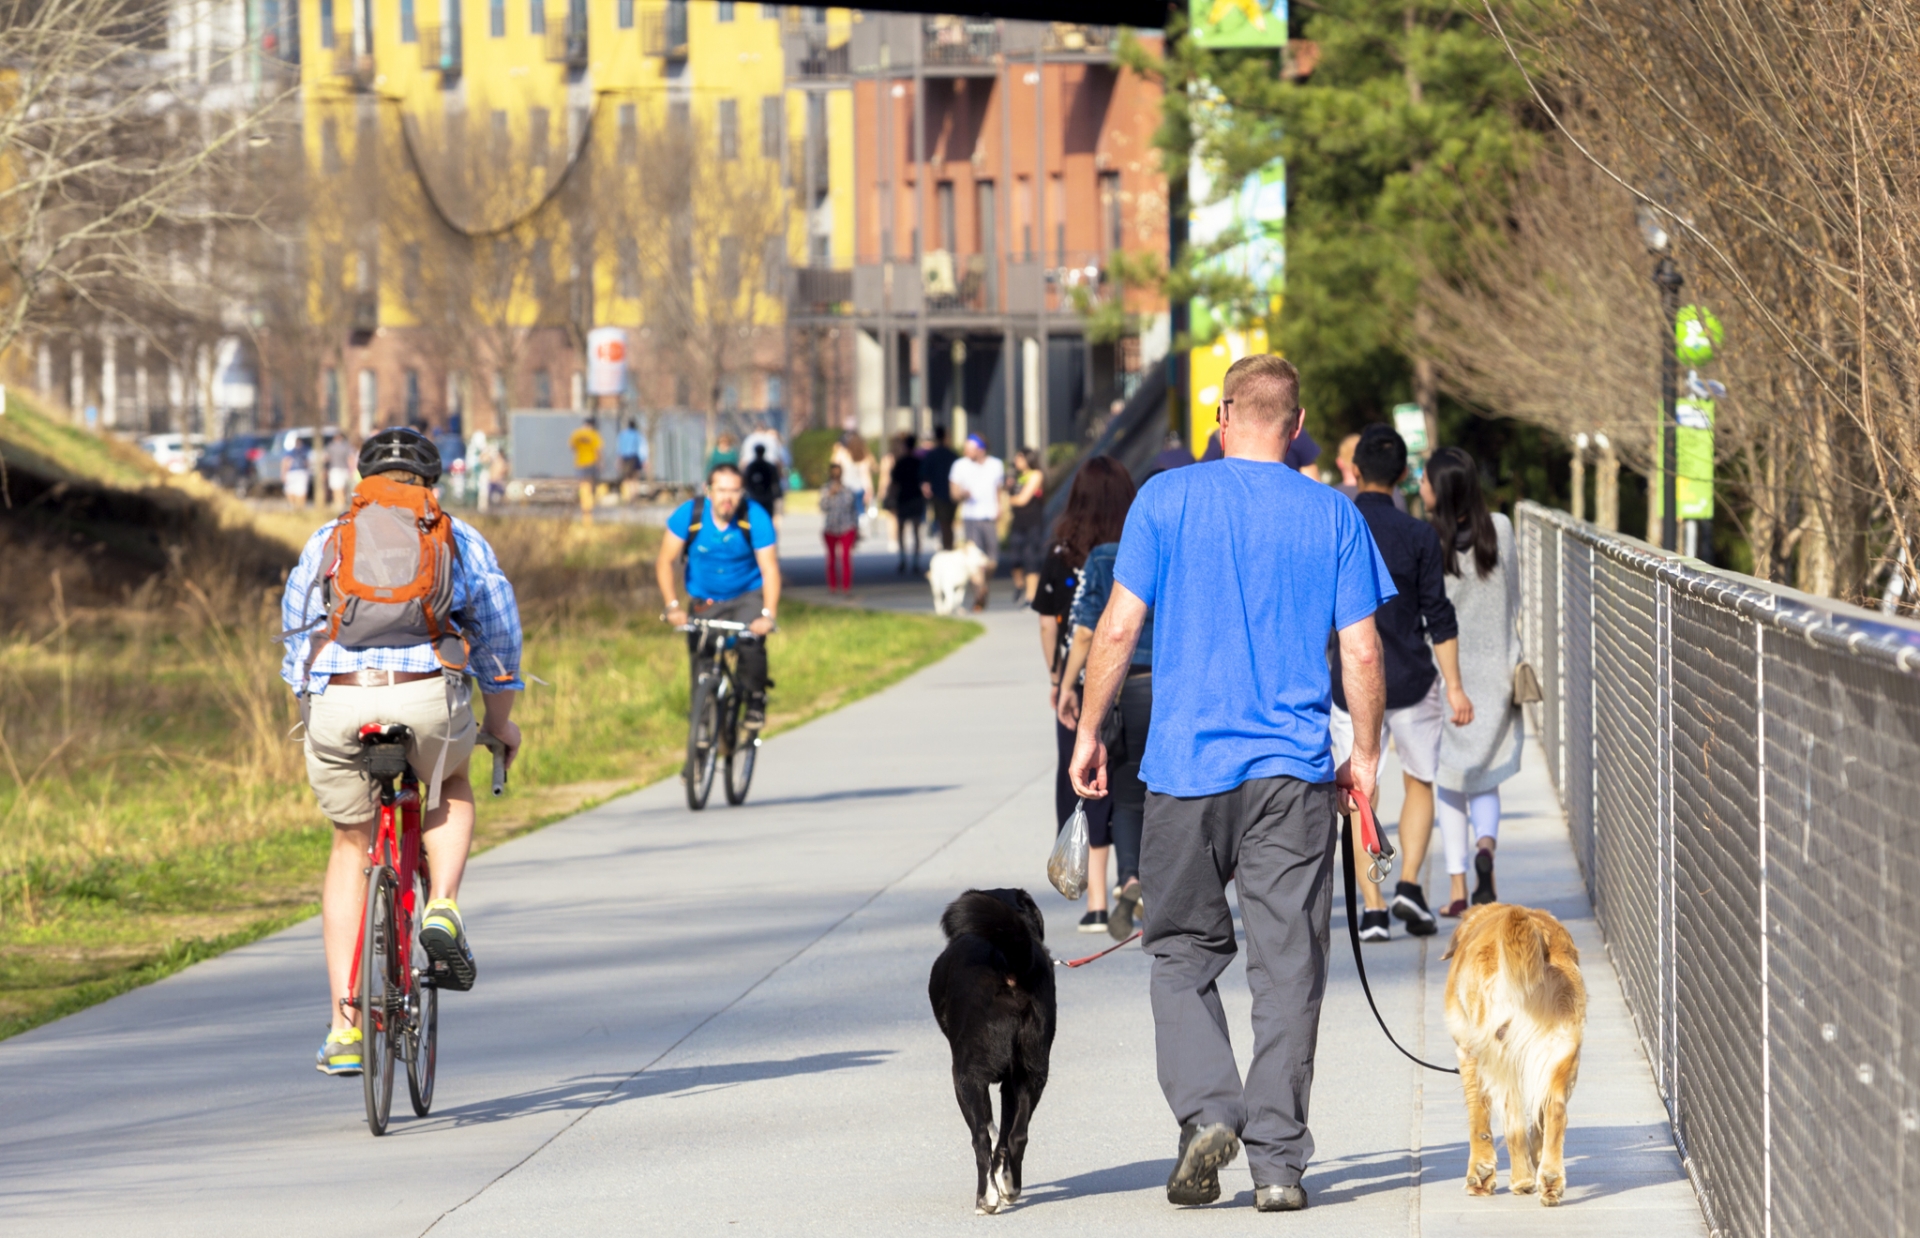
(1264, 389)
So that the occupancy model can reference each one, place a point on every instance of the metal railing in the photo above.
(1737, 762)
(821, 288)
(959, 41)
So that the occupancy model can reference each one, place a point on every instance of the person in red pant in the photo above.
(840, 526)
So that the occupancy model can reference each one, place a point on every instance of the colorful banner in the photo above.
(606, 361)
(1207, 368)
(1237, 23)
(1693, 457)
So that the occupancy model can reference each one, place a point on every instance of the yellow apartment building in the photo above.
(487, 180)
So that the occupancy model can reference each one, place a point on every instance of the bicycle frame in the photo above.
(395, 844)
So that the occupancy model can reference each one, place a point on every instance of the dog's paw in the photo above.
(1553, 1188)
(1002, 1181)
(1524, 1186)
(1480, 1179)
(993, 1200)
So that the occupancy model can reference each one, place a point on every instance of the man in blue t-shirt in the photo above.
(733, 572)
(1247, 566)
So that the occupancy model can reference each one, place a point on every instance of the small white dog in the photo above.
(952, 573)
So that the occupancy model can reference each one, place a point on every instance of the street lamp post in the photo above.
(1667, 276)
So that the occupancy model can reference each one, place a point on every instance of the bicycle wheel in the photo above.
(379, 990)
(423, 1033)
(742, 747)
(703, 742)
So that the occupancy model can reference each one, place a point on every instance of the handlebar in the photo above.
(498, 747)
(719, 625)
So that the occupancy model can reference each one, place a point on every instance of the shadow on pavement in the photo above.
(590, 1091)
(1138, 1176)
(859, 793)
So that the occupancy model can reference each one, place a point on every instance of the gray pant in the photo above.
(1279, 834)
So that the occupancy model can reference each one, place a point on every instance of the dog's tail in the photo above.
(979, 914)
(1524, 955)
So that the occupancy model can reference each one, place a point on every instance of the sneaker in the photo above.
(1128, 904)
(340, 1053)
(1094, 922)
(1410, 908)
(756, 717)
(1195, 1179)
(444, 937)
(1280, 1198)
(1374, 926)
(1483, 876)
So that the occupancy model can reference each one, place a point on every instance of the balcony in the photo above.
(821, 289)
(1075, 40)
(809, 59)
(797, 165)
(357, 68)
(958, 43)
(440, 50)
(665, 33)
(363, 316)
(955, 284)
(567, 43)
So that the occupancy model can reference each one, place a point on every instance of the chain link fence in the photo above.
(1739, 765)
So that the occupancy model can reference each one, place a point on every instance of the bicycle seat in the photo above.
(385, 733)
(385, 747)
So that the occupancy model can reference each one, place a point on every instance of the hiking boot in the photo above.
(1195, 1179)
(1410, 908)
(444, 937)
(1128, 905)
(340, 1054)
(1094, 922)
(1374, 925)
(1280, 1198)
(1483, 876)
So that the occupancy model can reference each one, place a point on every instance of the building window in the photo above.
(774, 261)
(723, 11)
(409, 31)
(773, 125)
(1057, 211)
(369, 401)
(776, 392)
(627, 268)
(943, 206)
(769, 12)
(629, 144)
(497, 18)
(542, 388)
(625, 14)
(413, 397)
(542, 262)
(1110, 211)
(537, 16)
(326, 24)
(537, 135)
(729, 128)
(332, 396)
(362, 271)
(729, 267)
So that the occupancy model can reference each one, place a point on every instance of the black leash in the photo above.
(1359, 964)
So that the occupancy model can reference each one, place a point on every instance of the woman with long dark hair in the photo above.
(1483, 583)
(1096, 512)
(906, 501)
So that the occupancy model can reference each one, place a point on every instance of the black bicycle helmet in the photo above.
(402, 449)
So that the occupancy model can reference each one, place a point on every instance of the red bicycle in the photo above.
(394, 998)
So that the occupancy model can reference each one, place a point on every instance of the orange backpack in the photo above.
(389, 577)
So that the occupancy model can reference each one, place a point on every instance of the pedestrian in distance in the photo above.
(339, 457)
(1246, 566)
(1483, 583)
(763, 481)
(976, 482)
(1027, 531)
(296, 471)
(630, 445)
(856, 470)
(906, 502)
(1420, 703)
(1096, 512)
(1127, 795)
(411, 671)
(586, 444)
(840, 528)
(936, 465)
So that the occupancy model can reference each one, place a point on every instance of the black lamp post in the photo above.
(1667, 276)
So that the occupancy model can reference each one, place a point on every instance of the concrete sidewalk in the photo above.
(718, 1023)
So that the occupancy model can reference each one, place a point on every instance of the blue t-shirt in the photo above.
(720, 562)
(1248, 567)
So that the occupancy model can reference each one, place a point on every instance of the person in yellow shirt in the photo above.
(586, 443)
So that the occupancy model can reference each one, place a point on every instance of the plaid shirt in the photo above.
(482, 596)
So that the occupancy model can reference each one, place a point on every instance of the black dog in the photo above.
(992, 994)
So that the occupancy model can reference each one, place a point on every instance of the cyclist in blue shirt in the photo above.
(732, 570)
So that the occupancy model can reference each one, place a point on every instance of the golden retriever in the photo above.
(1516, 1008)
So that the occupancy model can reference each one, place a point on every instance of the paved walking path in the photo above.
(718, 1024)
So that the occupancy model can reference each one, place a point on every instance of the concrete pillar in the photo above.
(109, 381)
(142, 411)
(46, 369)
(77, 383)
(1580, 476)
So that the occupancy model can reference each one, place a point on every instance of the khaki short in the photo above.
(1415, 729)
(439, 715)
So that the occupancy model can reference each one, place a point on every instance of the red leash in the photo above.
(1103, 954)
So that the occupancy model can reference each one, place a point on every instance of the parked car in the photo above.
(176, 453)
(234, 463)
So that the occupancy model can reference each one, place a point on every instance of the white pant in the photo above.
(1415, 730)
(1455, 808)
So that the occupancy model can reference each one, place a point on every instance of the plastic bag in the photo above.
(1067, 866)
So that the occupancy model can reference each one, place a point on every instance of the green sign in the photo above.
(1696, 333)
(1238, 23)
(1410, 420)
(1693, 460)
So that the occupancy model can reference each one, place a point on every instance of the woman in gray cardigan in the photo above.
(1483, 583)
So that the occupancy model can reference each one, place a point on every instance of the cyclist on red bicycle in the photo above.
(733, 572)
(355, 657)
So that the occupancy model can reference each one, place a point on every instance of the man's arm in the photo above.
(769, 559)
(665, 569)
(1363, 673)
(1111, 653)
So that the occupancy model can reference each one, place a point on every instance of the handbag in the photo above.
(1526, 685)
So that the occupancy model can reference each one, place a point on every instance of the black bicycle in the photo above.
(714, 732)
